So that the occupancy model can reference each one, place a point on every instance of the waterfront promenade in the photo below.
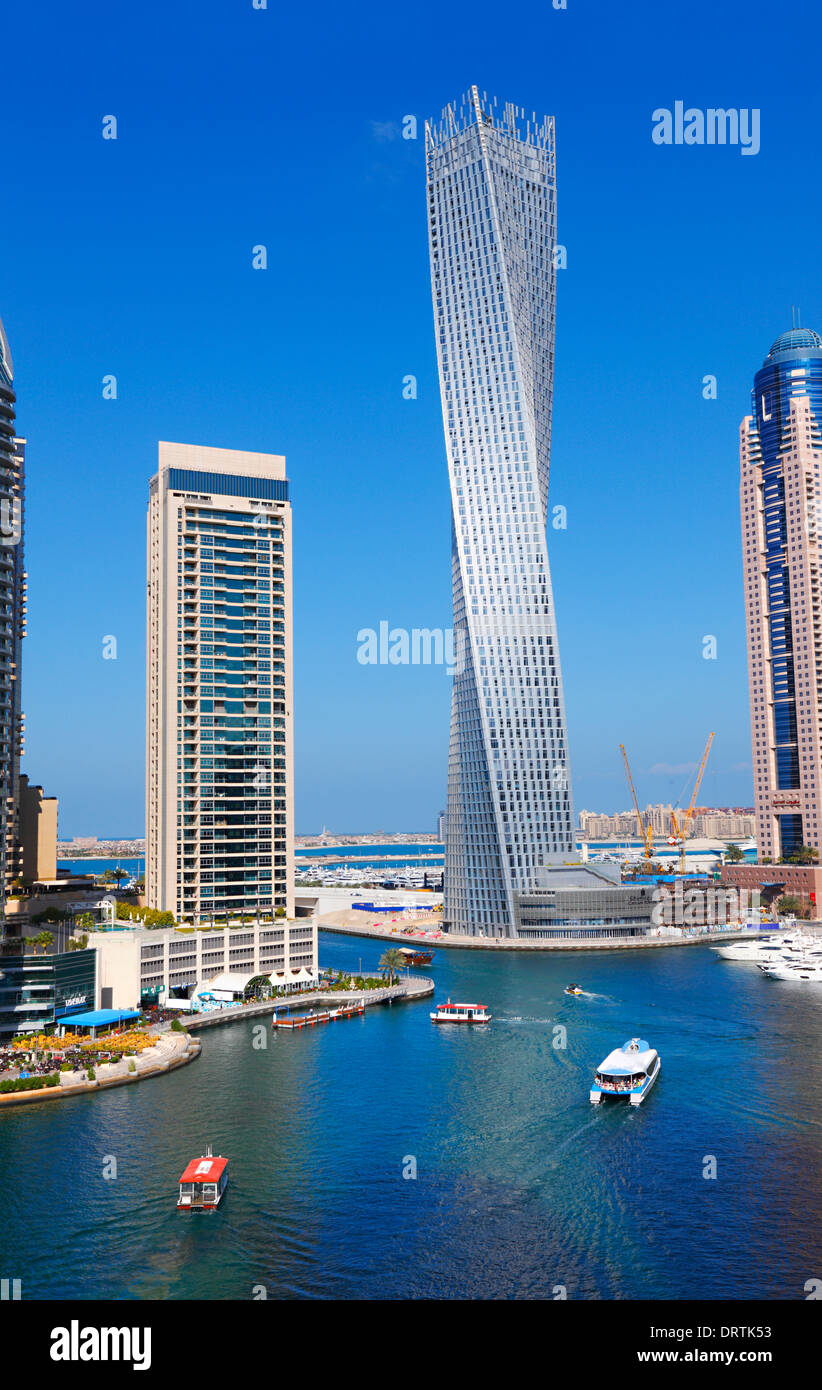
(170, 1051)
(411, 987)
(349, 922)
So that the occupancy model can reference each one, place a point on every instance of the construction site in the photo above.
(663, 837)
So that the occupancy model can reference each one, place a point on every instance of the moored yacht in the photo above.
(804, 967)
(759, 952)
(628, 1072)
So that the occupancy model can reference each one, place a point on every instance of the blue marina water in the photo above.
(389, 856)
(520, 1184)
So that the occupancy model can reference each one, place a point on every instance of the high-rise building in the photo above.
(37, 834)
(12, 618)
(492, 239)
(780, 453)
(219, 766)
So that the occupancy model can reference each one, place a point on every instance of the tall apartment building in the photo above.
(492, 238)
(12, 618)
(36, 833)
(219, 763)
(780, 453)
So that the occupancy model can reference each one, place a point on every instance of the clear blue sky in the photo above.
(239, 127)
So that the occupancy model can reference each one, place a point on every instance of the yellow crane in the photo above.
(646, 831)
(679, 829)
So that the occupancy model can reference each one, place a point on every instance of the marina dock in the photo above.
(410, 988)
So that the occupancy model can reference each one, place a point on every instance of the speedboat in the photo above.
(573, 989)
(629, 1071)
(461, 1013)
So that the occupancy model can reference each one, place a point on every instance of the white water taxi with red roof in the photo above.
(461, 1013)
(203, 1183)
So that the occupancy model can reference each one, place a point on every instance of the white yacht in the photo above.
(760, 952)
(628, 1072)
(807, 966)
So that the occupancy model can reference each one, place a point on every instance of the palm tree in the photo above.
(392, 960)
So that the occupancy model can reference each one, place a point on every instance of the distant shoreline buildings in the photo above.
(712, 823)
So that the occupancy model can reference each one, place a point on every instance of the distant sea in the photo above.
(389, 856)
(133, 867)
(393, 855)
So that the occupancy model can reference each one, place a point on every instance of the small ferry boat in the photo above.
(629, 1071)
(573, 989)
(318, 1016)
(416, 957)
(461, 1013)
(203, 1183)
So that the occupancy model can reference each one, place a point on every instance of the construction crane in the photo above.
(679, 829)
(646, 831)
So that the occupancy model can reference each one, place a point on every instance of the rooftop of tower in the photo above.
(797, 342)
(477, 108)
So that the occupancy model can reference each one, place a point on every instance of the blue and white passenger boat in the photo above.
(628, 1072)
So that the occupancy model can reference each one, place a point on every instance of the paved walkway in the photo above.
(351, 923)
(411, 987)
(171, 1050)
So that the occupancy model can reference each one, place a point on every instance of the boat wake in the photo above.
(519, 1018)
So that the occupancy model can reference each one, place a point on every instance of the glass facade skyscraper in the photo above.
(12, 617)
(219, 767)
(780, 453)
(492, 240)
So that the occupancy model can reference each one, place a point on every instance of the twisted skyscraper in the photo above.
(492, 237)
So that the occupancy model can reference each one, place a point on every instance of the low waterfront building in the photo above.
(317, 901)
(144, 965)
(582, 902)
(773, 881)
(68, 897)
(37, 990)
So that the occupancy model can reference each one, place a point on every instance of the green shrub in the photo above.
(90, 1074)
(29, 1083)
(176, 1026)
(132, 1066)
